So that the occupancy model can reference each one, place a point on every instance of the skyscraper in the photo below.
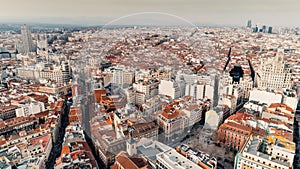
(27, 43)
(264, 28)
(249, 24)
(255, 29)
(270, 29)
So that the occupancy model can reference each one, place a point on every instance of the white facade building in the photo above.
(169, 88)
(148, 88)
(189, 77)
(59, 73)
(171, 159)
(264, 96)
(31, 108)
(121, 75)
(274, 73)
(193, 113)
(278, 154)
(199, 91)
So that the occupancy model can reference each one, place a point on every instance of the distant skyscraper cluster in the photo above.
(263, 28)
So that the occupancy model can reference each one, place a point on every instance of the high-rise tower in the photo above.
(249, 24)
(27, 43)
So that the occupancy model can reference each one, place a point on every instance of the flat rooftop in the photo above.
(253, 149)
(176, 160)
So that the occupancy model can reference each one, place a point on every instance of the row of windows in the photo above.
(255, 166)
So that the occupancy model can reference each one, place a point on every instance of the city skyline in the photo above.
(204, 12)
(161, 84)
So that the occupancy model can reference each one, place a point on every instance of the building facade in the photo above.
(274, 73)
(27, 42)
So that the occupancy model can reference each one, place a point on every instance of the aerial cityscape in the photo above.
(150, 85)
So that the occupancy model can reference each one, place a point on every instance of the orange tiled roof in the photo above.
(108, 121)
(170, 112)
(127, 162)
(275, 105)
(2, 124)
(2, 142)
(65, 150)
(236, 127)
(239, 117)
(43, 139)
(290, 116)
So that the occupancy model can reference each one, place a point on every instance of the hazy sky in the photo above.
(223, 12)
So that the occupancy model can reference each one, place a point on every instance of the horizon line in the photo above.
(132, 25)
